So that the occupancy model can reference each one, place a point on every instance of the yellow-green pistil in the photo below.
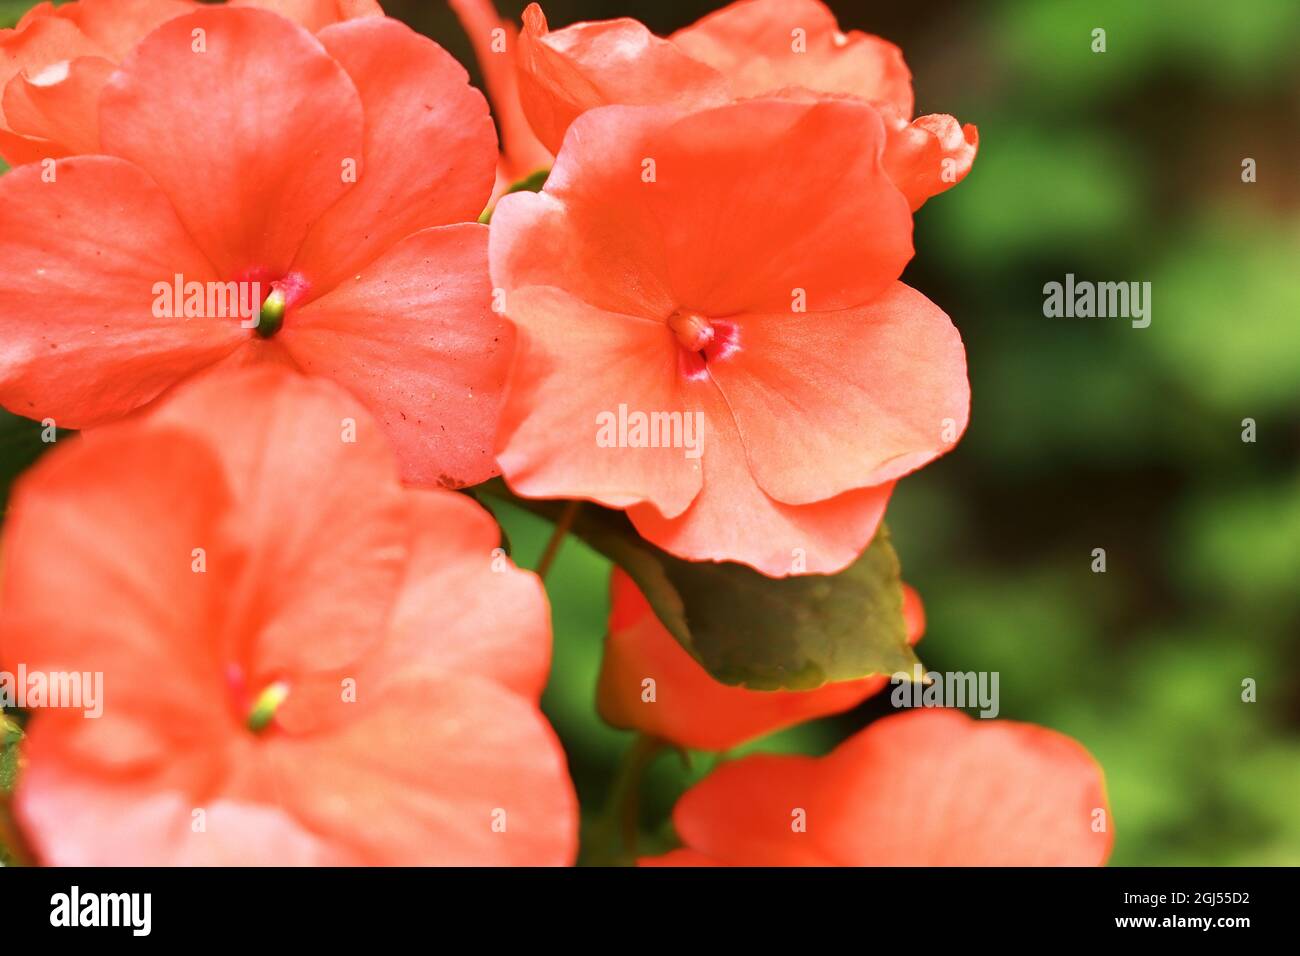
(272, 316)
(264, 708)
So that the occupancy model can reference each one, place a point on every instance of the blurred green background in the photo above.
(1085, 433)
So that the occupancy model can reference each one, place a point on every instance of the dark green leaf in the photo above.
(746, 628)
(20, 444)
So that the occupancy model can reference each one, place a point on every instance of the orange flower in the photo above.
(734, 267)
(926, 788)
(750, 48)
(333, 177)
(690, 708)
(303, 662)
(54, 63)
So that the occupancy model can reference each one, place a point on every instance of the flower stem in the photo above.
(625, 798)
(562, 527)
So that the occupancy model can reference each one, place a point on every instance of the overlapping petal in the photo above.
(566, 73)
(414, 336)
(316, 15)
(574, 366)
(80, 525)
(293, 431)
(751, 48)
(430, 766)
(59, 103)
(80, 341)
(429, 152)
(261, 157)
(806, 394)
(53, 65)
(929, 155)
(497, 626)
(771, 222)
(116, 26)
(42, 39)
(733, 519)
(762, 46)
(927, 788)
(424, 727)
(248, 125)
(720, 211)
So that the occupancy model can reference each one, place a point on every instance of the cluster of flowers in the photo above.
(315, 652)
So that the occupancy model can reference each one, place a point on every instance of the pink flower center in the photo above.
(702, 340)
(285, 292)
(257, 712)
(692, 331)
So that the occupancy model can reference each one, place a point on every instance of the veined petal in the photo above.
(829, 402)
(564, 73)
(86, 337)
(581, 379)
(430, 148)
(925, 788)
(762, 46)
(733, 519)
(414, 337)
(246, 123)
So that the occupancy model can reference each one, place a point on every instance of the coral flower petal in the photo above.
(876, 391)
(733, 519)
(436, 754)
(430, 148)
(80, 340)
(574, 366)
(315, 15)
(496, 48)
(150, 816)
(929, 155)
(293, 431)
(146, 617)
(762, 46)
(116, 26)
(41, 38)
(589, 234)
(690, 708)
(246, 123)
(566, 73)
(414, 336)
(704, 206)
(497, 625)
(59, 103)
(926, 788)
(459, 753)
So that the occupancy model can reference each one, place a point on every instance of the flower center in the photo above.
(272, 315)
(267, 703)
(286, 292)
(702, 340)
(693, 331)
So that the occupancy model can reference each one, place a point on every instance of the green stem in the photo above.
(624, 804)
(562, 526)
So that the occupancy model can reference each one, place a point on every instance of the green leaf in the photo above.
(532, 183)
(13, 851)
(21, 443)
(745, 628)
(10, 734)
